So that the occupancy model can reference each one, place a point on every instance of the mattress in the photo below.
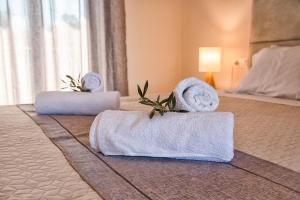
(266, 163)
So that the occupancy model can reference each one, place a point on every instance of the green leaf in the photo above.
(173, 103)
(72, 81)
(145, 88)
(78, 80)
(140, 91)
(158, 98)
(146, 103)
(70, 77)
(164, 101)
(80, 88)
(169, 100)
(152, 114)
(170, 97)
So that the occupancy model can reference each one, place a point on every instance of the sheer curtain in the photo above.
(43, 40)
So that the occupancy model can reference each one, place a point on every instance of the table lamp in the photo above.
(209, 62)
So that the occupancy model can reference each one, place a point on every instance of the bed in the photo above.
(266, 163)
(49, 156)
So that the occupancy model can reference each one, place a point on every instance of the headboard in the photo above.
(274, 22)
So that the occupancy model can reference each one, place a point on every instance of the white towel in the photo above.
(92, 82)
(76, 103)
(199, 136)
(195, 95)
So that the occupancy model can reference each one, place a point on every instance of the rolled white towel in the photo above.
(198, 136)
(194, 95)
(92, 82)
(76, 103)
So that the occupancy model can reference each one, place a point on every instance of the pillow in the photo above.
(275, 72)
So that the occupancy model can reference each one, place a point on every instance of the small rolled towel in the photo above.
(76, 103)
(198, 136)
(92, 82)
(194, 95)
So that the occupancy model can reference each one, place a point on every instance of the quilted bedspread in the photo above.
(31, 167)
(266, 163)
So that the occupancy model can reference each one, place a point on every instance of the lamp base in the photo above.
(209, 78)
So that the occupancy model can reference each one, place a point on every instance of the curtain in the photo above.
(41, 41)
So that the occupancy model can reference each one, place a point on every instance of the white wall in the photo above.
(153, 43)
(163, 37)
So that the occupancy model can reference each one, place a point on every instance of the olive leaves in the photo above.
(160, 106)
(75, 85)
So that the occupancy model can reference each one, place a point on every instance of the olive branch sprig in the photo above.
(160, 106)
(75, 85)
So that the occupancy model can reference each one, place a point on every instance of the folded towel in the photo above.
(92, 82)
(199, 136)
(76, 103)
(194, 95)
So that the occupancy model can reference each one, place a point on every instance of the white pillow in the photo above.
(275, 72)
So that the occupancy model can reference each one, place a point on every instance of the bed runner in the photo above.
(120, 177)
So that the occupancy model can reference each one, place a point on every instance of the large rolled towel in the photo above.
(199, 136)
(76, 103)
(92, 82)
(194, 95)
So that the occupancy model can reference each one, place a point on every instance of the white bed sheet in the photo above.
(260, 98)
(290, 102)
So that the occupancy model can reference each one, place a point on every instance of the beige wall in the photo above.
(215, 23)
(153, 43)
(163, 37)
